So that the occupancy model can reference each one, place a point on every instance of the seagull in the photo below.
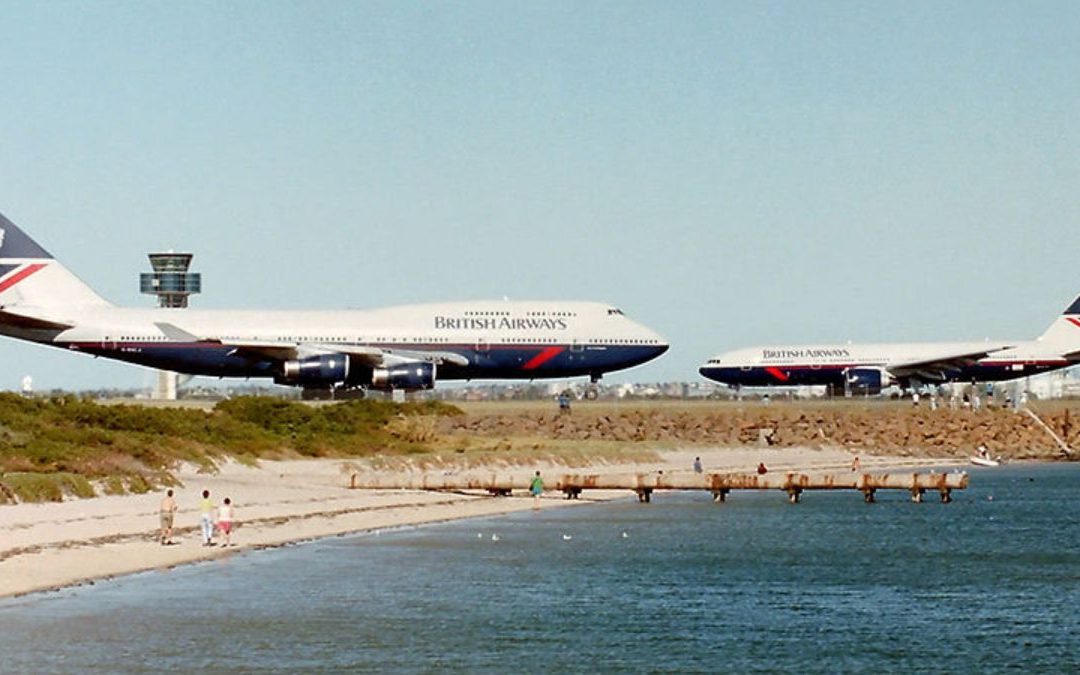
(567, 537)
(625, 535)
(495, 537)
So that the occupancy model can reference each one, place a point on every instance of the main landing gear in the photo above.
(592, 392)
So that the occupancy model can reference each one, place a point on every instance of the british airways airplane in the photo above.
(407, 347)
(867, 368)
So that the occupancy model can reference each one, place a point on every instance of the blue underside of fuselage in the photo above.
(797, 376)
(494, 361)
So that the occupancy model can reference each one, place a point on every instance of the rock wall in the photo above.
(893, 430)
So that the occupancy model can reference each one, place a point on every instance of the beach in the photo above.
(52, 545)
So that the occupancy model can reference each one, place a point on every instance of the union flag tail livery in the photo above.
(30, 277)
(867, 368)
(1064, 333)
(407, 348)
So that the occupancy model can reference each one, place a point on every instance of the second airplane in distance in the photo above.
(869, 367)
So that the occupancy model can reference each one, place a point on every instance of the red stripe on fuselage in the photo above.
(19, 276)
(777, 373)
(542, 358)
(1073, 320)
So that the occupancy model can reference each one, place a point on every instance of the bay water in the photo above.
(988, 583)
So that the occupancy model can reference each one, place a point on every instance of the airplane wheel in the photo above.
(591, 393)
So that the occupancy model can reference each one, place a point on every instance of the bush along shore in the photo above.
(51, 448)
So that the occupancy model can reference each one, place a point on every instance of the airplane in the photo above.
(396, 348)
(869, 368)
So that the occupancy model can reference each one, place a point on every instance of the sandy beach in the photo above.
(47, 546)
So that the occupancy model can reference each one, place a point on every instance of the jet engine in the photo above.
(323, 370)
(407, 375)
(866, 381)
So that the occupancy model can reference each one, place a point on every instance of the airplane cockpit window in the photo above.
(612, 311)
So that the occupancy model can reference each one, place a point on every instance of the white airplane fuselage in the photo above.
(838, 364)
(497, 339)
(406, 347)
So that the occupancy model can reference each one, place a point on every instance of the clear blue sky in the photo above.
(728, 173)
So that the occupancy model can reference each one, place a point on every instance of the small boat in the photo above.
(984, 458)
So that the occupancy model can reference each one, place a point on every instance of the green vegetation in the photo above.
(54, 447)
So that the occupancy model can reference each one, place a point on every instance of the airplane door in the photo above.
(483, 347)
(577, 351)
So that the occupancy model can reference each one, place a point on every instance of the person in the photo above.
(206, 509)
(168, 512)
(225, 521)
(856, 465)
(564, 402)
(761, 469)
(915, 399)
(697, 465)
(535, 488)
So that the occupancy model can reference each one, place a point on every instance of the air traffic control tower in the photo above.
(172, 284)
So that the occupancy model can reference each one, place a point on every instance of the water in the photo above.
(756, 584)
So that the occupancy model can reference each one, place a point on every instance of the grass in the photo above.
(56, 447)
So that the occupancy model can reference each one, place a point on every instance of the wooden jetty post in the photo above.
(792, 483)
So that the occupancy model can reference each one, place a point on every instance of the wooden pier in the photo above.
(793, 483)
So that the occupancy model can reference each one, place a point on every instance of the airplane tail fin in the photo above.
(31, 277)
(1064, 333)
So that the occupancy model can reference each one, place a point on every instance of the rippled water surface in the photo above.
(990, 582)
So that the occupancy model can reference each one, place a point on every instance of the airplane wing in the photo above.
(937, 367)
(375, 357)
(12, 318)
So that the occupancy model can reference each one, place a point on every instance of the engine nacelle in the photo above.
(867, 380)
(410, 376)
(325, 369)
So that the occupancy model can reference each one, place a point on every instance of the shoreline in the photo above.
(49, 547)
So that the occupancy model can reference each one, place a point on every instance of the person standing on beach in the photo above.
(206, 509)
(697, 465)
(535, 488)
(168, 511)
(225, 520)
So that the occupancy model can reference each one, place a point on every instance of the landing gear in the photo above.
(592, 392)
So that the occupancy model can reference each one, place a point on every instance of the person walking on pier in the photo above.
(536, 487)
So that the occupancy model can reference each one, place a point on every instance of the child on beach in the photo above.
(536, 487)
(225, 520)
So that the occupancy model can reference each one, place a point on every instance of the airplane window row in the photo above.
(487, 313)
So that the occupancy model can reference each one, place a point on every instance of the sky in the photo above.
(728, 173)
